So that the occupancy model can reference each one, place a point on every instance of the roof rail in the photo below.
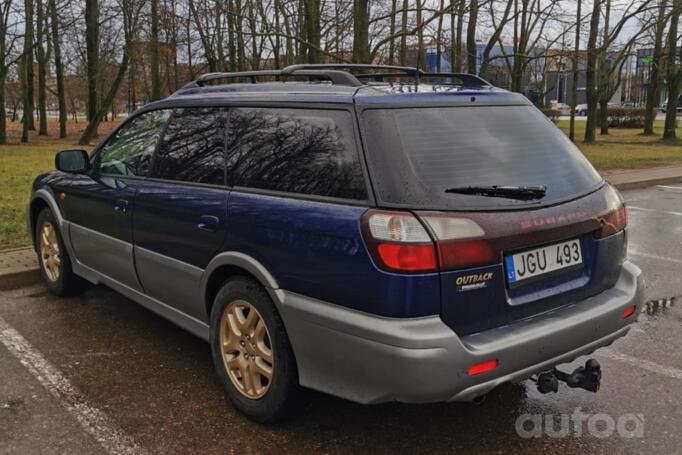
(340, 74)
(335, 77)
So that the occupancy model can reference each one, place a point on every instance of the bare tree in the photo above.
(653, 94)
(673, 73)
(575, 62)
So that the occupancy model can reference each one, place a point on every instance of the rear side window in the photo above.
(192, 148)
(416, 154)
(308, 152)
(130, 150)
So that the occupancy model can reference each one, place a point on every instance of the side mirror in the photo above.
(73, 161)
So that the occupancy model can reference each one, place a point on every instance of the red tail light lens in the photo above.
(460, 242)
(407, 257)
(468, 253)
(613, 222)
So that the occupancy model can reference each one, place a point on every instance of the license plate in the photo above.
(540, 261)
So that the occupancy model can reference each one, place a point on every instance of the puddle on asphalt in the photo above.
(659, 306)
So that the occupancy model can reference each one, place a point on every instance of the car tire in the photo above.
(53, 259)
(251, 352)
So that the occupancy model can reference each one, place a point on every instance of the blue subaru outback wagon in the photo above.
(373, 232)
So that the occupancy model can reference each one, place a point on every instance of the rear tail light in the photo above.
(612, 222)
(399, 241)
(460, 242)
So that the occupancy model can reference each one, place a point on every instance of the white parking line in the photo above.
(669, 187)
(653, 256)
(671, 372)
(667, 212)
(96, 423)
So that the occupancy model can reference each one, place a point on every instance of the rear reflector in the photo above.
(409, 257)
(629, 312)
(483, 367)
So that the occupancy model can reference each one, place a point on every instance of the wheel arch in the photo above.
(233, 263)
(41, 200)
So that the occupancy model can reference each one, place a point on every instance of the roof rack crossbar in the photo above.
(335, 77)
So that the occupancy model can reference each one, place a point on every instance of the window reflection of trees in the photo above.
(192, 147)
(309, 152)
(130, 151)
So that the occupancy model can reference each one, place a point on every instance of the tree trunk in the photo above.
(576, 72)
(457, 52)
(154, 52)
(421, 62)
(3, 75)
(28, 123)
(403, 34)
(91, 129)
(653, 94)
(604, 74)
(42, 67)
(439, 35)
(391, 31)
(591, 74)
(471, 37)
(673, 74)
(92, 54)
(59, 67)
(361, 31)
(230, 36)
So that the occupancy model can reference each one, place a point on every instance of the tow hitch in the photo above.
(587, 377)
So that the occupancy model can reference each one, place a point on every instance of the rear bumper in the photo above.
(372, 359)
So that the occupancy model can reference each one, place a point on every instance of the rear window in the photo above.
(416, 154)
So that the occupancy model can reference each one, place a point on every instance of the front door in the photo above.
(99, 204)
(180, 218)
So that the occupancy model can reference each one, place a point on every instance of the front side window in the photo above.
(309, 152)
(192, 148)
(130, 150)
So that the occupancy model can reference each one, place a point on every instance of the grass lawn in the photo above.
(627, 148)
(20, 163)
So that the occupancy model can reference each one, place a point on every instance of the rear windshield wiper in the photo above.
(512, 192)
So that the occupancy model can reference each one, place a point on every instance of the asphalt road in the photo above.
(99, 374)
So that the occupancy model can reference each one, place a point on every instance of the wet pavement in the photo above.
(155, 384)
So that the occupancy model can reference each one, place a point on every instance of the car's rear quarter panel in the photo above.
(316, 249)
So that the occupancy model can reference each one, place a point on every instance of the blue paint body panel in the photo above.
(316, 249)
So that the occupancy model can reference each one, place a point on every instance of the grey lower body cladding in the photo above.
(371, 359)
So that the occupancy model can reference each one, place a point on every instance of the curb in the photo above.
(647, 183)
(19, 279)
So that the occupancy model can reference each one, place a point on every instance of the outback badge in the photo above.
(473, 281)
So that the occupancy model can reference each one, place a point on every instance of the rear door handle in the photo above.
(121, 205)
(208, 223)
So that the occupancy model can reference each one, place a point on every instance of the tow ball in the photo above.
(587, 377)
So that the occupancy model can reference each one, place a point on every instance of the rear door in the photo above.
(99, 205)
(181, 211)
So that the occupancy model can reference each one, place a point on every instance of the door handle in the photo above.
(121, 205)
(208, 223)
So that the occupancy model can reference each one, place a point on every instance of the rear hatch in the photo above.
(520, 220)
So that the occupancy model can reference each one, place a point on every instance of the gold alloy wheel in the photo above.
(246, 349)
(49, 250)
